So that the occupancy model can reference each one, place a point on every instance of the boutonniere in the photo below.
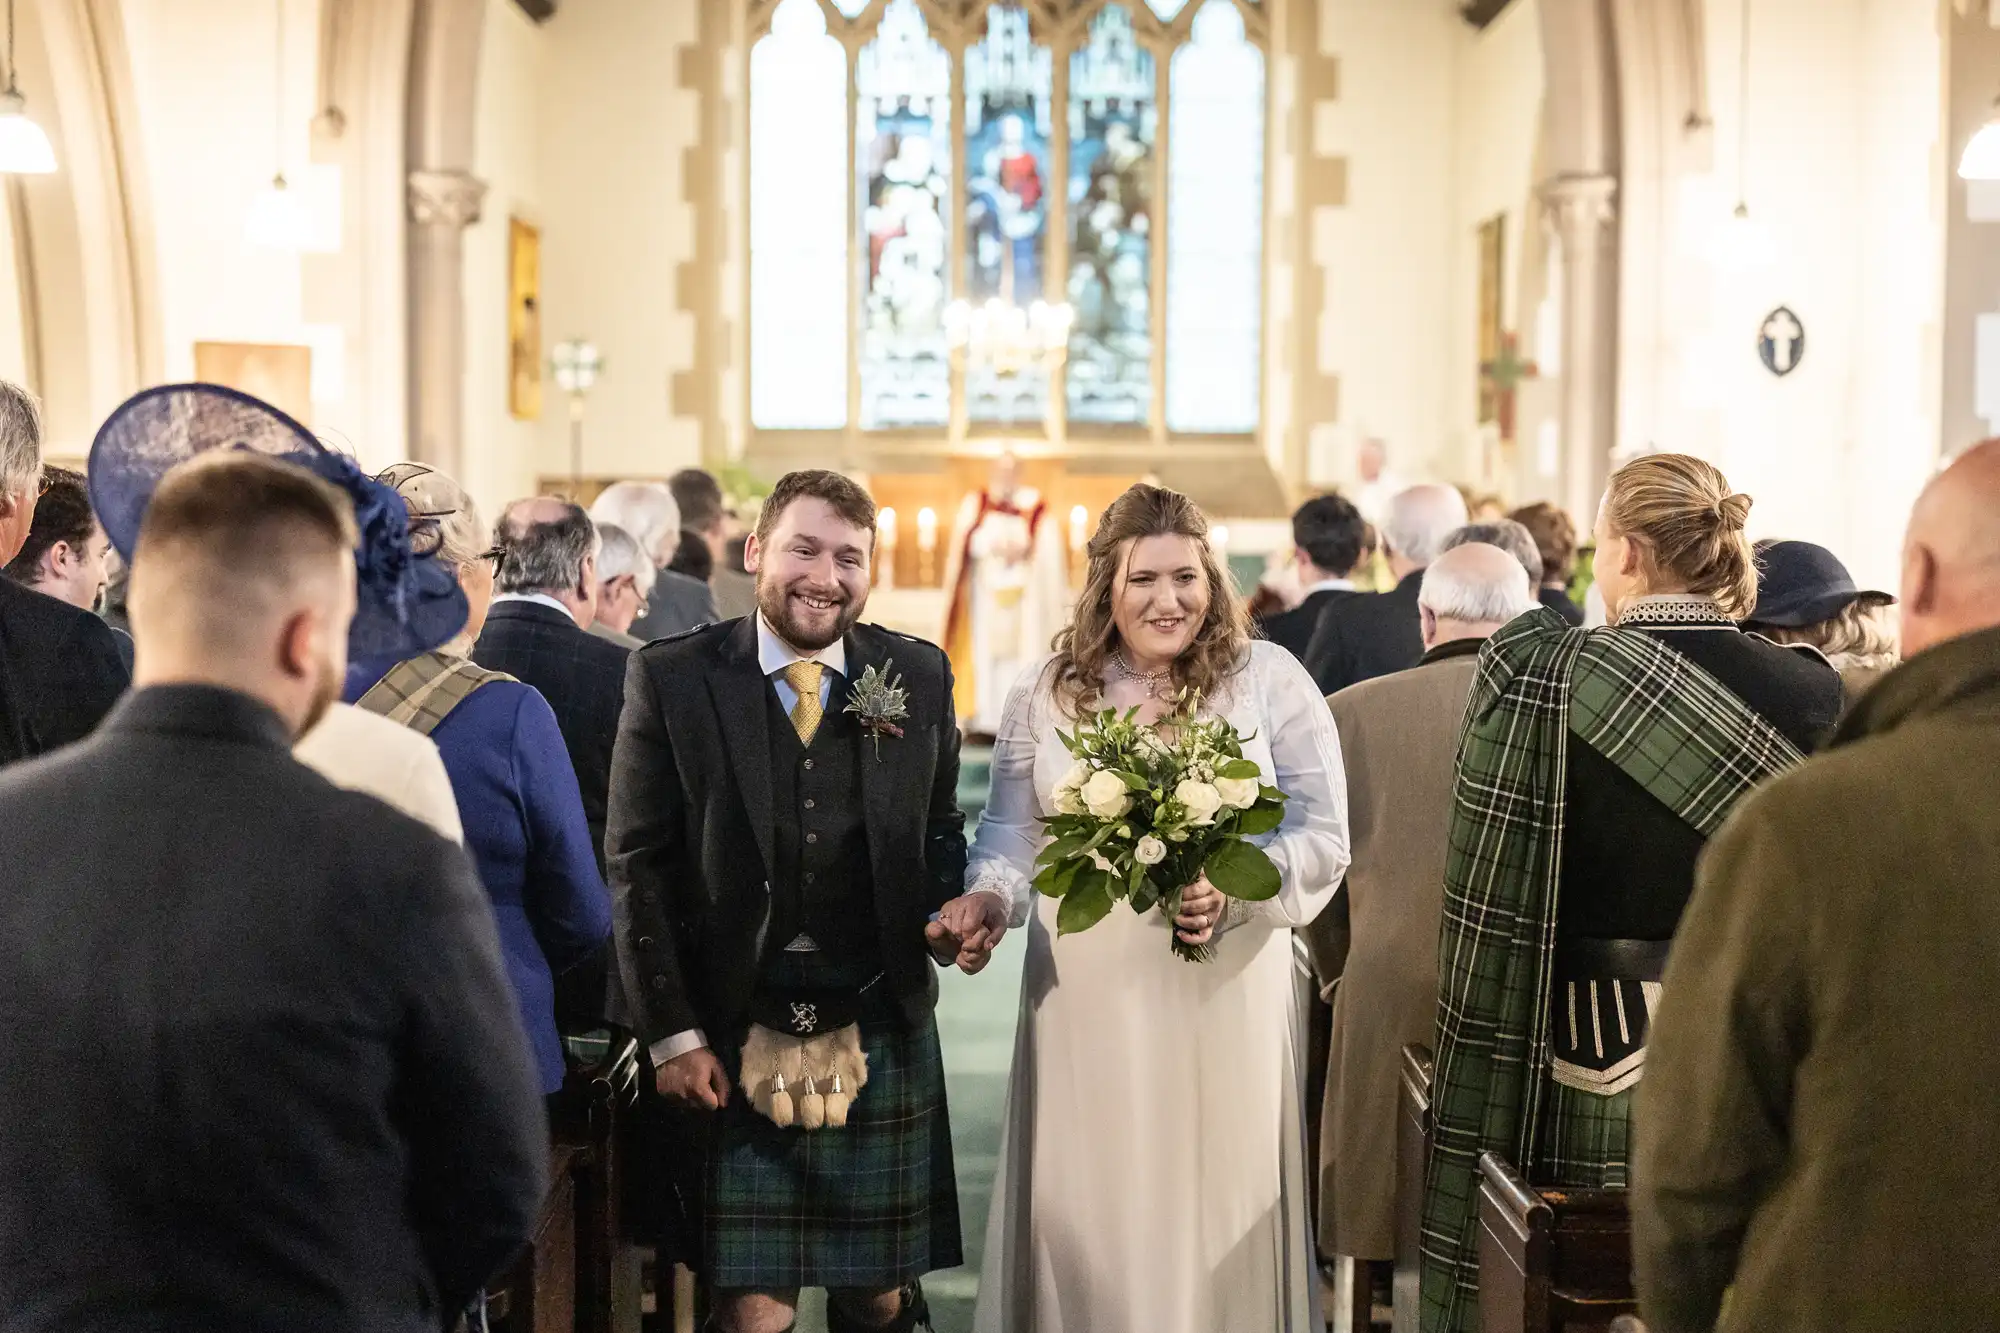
(880, 701)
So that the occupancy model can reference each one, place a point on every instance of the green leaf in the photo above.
(1241, 870)
(1084, 905)
(1238, 768)
(1271, 794)
(1145, 894)
(1062, 849)
(1132, 781)
(1057, 880)
(1259, 819)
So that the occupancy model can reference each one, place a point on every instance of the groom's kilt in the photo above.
(869, 1206)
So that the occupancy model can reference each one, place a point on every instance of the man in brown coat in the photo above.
(1398, 737)
(1815, 1127)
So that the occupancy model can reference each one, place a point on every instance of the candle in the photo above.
(927, 529)
(885, 548)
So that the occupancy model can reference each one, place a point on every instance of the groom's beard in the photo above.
(797, 625)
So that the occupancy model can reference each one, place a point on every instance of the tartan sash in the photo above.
(1670, 726)
(422, 692)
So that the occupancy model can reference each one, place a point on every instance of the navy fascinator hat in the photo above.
(406, 603)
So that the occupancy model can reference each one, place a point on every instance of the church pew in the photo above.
(1413, 1138)
(539, 1293)
(1550, 1260)
(590, 1114)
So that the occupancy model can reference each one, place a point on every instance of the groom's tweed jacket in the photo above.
(692, 836)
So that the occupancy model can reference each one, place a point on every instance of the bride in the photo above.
(1152, 1167)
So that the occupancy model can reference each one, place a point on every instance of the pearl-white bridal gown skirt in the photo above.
(1152, 1172)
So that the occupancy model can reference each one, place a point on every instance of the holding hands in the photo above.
(967, 930)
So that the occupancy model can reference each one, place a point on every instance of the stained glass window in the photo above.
(798, 223)
(932, 231)
(902, 150)
(1009, 80)
(1112, 119)
(1215, 226)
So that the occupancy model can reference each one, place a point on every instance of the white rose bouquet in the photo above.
(1144, 813)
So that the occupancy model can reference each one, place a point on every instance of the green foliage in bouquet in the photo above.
(1144, 813)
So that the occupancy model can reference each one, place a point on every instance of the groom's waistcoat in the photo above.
(822, 882)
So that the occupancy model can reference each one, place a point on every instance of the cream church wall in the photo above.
(502, 453)
(205, 95)
(1845, 168)
(1386, 252)
(614, 127)
(1496, 137)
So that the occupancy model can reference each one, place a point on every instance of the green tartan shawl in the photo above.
(1690, 742)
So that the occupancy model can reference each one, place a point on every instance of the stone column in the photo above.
(442, 205)
(1583, 210)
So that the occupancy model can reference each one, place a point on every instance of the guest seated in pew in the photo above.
(1592, 767)
(1815, 1131)
(259, 1068)
(517, 792)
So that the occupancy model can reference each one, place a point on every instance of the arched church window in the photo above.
(1006, 217)
(798, 223)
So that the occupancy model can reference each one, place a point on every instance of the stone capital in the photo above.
(1580, 207)
(446, 198)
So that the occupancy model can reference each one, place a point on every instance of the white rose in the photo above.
(1237, 793)
(1105, 795)
(1068, 801)
(1200, 799)
(1079, 773)
(1150, 851)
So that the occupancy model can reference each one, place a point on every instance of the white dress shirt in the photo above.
(539, 598)
(1330, 585)
(773, 655)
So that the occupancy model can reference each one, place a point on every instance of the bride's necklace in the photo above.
(1151, 680)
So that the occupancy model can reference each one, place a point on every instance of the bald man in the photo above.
(1398, 738)
(1815, 1126)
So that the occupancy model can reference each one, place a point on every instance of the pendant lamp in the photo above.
(1746, 243)
(278, 219)
(1981, 160)
(24, 147)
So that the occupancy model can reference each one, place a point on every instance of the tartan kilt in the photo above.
(867, 1207)
(1582, 1140)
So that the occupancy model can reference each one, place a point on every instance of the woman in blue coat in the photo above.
(517, 794)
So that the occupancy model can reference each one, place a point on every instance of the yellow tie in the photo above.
(803, 677)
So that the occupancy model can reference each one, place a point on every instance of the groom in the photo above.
(769, 850)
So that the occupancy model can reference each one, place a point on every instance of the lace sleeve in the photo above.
(1002, 856)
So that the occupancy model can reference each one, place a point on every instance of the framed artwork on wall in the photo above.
(524, 320)
(278, 373)
(1492, 312)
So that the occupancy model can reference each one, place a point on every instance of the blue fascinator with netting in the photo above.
(406, 603)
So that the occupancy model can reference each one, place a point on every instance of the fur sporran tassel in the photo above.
(837, 1103)
(781, 1103)
(812, 1108)
(781, 1075)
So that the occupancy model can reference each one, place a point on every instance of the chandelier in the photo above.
(1005, 338)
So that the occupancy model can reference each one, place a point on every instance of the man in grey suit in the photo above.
(1375, 953)
(648, 511)
(261, 1065)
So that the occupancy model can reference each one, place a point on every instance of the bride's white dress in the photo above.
(1153, 1162)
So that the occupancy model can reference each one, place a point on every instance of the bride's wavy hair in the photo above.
(1084, 647)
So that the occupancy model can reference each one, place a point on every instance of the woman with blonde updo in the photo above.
(1593, 766)
(1152, 1170)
